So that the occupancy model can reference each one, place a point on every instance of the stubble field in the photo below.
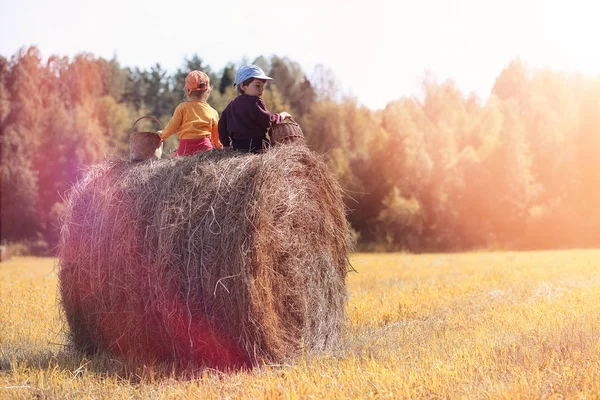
(474, 325)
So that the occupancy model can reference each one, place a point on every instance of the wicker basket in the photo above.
(287, 132)
(142, 145)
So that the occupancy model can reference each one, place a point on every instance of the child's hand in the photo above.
(285, 115)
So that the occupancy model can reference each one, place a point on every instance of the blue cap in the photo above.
(250, 71)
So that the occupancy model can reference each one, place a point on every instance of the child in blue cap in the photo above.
(245, 121)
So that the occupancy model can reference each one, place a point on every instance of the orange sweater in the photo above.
(194, 119)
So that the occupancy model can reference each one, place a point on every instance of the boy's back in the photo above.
(246, 118)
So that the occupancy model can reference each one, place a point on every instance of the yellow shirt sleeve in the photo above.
(214, 133)
(174, 123)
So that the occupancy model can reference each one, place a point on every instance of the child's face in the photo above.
(255, 88)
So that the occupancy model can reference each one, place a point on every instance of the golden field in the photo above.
(502, 325)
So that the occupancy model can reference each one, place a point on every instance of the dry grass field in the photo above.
(475, 325)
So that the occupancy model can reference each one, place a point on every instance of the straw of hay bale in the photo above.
(222, 259)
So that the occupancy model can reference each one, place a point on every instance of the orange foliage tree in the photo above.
(443, 172)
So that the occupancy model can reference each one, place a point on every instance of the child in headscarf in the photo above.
(194, 120)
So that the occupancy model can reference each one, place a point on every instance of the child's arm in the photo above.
(214, 135)
(264, 117)
(173, 125)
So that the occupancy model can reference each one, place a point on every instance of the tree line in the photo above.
(445, 172)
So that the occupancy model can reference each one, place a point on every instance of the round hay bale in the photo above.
(221, 259)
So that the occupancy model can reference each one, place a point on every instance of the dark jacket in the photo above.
(244, 123)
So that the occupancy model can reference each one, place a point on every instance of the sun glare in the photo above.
(570, 32)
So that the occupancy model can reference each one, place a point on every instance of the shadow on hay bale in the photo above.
(222, 259)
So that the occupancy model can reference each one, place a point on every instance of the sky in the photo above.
(379, 50)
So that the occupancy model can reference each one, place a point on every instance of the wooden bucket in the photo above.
(143, 145)
(287, 132)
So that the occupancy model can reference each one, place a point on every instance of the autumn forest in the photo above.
(446, 171)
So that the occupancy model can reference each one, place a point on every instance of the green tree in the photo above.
(325, 84)
(115, 120)
(400, 221)
(4, 93)
(23, 84)
(113, 78)
(157, 94)
(325, 129)
(18, 182)
(191, 64)
(134, 88)
(293, 84)
(227, 78)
